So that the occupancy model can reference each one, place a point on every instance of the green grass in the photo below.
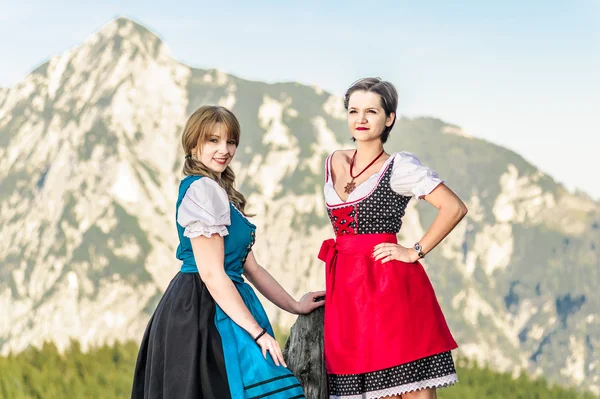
(107, 372)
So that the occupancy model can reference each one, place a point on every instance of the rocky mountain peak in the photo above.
(123, 35)
(89, 168)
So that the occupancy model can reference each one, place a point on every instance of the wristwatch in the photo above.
(419, 249)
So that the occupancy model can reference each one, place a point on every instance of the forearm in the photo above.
(447, 218)
(225, 294)
(271, 289)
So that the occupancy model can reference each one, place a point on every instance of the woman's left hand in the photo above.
(307, 303)
(387, 251)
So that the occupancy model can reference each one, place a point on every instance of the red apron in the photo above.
(377, 315)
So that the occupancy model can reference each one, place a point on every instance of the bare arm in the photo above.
(274, 292)
(451, 210)
(212, 272)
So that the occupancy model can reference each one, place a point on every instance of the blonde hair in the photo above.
(197, 131)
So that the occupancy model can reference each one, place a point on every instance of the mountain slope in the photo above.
(89, 167)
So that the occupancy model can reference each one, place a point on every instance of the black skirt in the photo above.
(181, 355)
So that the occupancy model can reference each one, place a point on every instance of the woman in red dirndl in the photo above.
(385, 334)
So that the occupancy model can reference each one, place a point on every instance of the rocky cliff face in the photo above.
(89, 167)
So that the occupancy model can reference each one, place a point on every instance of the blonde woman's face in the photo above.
(218, 151)
(366, 116)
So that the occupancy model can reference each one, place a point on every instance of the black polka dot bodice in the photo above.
(381, 211)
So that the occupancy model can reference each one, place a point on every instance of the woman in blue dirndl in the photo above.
(209, 336)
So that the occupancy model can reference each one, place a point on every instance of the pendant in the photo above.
(350, 187)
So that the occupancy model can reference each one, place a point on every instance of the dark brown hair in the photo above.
(387, 92)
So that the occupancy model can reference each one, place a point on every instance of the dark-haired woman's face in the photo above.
(366, 116)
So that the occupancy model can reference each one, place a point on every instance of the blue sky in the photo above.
(524, 75)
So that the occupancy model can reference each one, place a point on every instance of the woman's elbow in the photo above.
(462, 210)
(209, 276)
(251, 271)
(456, 210)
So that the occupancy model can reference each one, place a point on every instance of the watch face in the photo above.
(418, 247)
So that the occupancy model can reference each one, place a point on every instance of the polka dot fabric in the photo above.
(395, 380)
(380, 212)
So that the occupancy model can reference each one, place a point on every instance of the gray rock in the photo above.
(303, 353)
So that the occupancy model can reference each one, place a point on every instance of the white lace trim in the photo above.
(198, 228)
(440, 382)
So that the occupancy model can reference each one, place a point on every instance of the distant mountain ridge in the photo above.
(89, 167)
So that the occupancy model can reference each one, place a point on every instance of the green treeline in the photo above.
(106, 372)
(477, 382)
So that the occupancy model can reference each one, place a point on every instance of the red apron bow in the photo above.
(328, 254)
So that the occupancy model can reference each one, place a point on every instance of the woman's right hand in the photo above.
(268, 343)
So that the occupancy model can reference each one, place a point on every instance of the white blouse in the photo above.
(204, 209)
(409, 177)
